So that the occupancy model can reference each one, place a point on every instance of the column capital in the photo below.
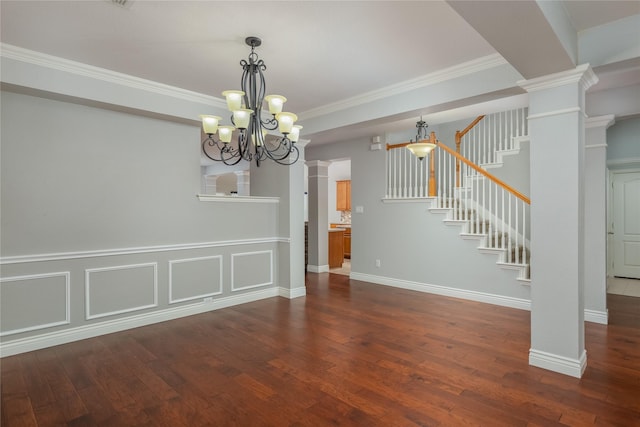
(600, 121)
(582, 74)
(317, 163)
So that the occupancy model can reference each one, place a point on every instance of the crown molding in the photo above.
(456, 71)
(77, 68)
(582, 74)
(600, 121)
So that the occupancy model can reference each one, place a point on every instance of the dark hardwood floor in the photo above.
(350, 354)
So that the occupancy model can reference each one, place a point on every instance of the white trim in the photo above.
(318, 268)
(93, 330)
(582, 74)
(501, 300)
(270, 282)
(237, 199)
(80, 69)
(556, 363)
(631, 162)
(446, 74)
(600, 121)
(20, 259)
(596, 146)
(554, 113)
(185, 260)
(407, 199)
(292, 293)
(317, 163)
(596, 316)
(87, 289)
(66, 321)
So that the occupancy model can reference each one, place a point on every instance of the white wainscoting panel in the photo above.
(195, 278)
(120, 289)
(32, 302)
(251, 270)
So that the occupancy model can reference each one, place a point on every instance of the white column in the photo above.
(242, 182)
(318, 216)
(595, 218)
(557, 132)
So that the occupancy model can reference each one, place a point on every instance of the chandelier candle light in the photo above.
(246, 115)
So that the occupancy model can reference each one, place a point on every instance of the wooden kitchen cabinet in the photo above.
(336, 247)
(347, 242)
(343, 195)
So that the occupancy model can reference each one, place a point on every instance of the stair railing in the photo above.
(488, 205)
(492, 133)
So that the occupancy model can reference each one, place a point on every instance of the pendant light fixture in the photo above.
(423, 144)
(252, 130)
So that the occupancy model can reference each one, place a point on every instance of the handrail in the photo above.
(468, 128)
(432, 139)
(478, 169)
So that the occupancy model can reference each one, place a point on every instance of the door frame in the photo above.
(610, 211)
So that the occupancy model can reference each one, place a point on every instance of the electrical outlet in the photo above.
(208, 299)
(378, 263)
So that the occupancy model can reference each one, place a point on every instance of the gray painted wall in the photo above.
(102, 230)
(623, 140)
(402, 235)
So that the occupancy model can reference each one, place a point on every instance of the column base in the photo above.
(556, 363)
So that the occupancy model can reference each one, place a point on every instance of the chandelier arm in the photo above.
(282, 150)
(209, 141)
(292, 156)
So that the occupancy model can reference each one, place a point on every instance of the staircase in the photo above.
(460, 185)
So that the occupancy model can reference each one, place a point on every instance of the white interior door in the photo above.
(626, 224)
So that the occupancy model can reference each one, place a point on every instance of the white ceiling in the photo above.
(317, 52)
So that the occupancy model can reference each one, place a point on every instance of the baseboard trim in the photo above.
(318, 268)
(595, 316)
(75, 334)
(292, 293)
(556, 363)
(501, 300)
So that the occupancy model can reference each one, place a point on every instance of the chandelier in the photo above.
(423, 144)
(253, 142)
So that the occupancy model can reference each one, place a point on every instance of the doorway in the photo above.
(625, 224)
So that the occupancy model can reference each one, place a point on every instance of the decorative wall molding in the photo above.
(115, 325)
(65, 321)
(20, 259)
(556, 363)
(200, 296)
(234, 288)
(87, 284)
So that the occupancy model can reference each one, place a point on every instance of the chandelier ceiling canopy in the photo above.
(252, 128)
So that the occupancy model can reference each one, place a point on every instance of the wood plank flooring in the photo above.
(349, 353)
